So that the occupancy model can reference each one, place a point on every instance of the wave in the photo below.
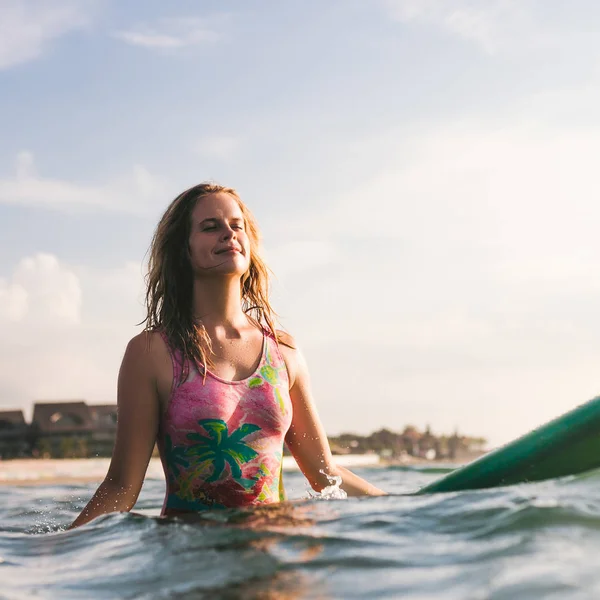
(527, 541)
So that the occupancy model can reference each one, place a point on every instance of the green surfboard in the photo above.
(568, 445)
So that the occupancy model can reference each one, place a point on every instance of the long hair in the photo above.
(170, 279)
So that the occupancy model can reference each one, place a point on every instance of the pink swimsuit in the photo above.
(221, 441)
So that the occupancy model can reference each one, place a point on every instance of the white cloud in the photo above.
(28, 26)
(118, 294)
(64, 329)
(171, 34)
(41, 290)
(495, 24)
(53, 290)
(13, 301)
(137, 192)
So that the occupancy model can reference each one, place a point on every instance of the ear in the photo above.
(185, 257)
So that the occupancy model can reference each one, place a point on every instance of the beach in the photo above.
(62, 471)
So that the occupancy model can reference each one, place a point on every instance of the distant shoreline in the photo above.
(66, 471)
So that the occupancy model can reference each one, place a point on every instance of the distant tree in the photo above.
(66, 447)
(45, 448)
(81, 448)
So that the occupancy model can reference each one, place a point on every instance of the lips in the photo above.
(229, 249)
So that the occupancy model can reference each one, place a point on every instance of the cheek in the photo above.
(198, 251)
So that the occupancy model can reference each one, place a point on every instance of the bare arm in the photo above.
(137, 425)
(307, 439)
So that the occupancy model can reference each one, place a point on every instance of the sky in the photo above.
(424, 173)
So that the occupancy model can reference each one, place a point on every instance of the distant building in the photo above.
(15, 435)
(63, 428)
(105, 428)
(74, 429)
(53, 418)
(105, 416)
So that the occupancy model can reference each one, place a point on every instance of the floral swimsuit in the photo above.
(221, 441)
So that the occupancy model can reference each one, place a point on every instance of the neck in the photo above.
(218, 303)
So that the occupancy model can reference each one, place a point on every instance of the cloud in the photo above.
(494, 25)
(170, 34)
(115, 296)
(13, 301)
(41, 291)
(134, 193)
(64, 329)
(28, 26)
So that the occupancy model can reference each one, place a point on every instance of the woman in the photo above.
(210, 379)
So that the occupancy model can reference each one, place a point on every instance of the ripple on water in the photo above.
(530, 541)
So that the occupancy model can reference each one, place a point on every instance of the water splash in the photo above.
(331, 492)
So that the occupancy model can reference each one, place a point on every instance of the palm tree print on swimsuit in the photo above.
(183, 474)
(270, 374)
(220, 448)
(176, 456)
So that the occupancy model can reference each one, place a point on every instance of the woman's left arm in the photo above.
(306, 437)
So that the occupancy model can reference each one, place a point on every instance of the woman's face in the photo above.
(218, 241)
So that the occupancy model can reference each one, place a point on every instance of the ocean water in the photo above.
(530, 541)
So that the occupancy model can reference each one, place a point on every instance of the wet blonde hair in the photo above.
(169, 282)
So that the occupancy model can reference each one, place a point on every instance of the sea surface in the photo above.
(523, 542)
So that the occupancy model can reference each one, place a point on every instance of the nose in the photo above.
(228, 233)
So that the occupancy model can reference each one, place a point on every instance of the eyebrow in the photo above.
(215, 220)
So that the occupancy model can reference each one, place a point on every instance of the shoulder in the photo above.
(291, 354)
(144, 342)
(286, 339)
(146, 349)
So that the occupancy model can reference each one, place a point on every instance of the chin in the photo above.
(233, 268)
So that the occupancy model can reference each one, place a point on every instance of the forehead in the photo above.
(218, 205)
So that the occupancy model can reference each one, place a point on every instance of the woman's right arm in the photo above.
(137, 426)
